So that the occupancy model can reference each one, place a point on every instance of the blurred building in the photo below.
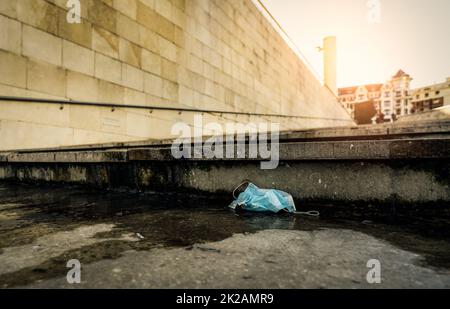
(358, 98)
(392, 99)
(396, 96)
(430, 97)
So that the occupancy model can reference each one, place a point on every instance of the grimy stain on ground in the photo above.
(192, 241)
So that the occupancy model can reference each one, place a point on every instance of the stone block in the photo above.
(113, 121)
(185, 96)
(108, 2)
(46, 78)
(167, 49)
(130, 53)
(132, 77)
(78, 58)
(82, 87)
(9, 8)
(163, 8)
(36, 113)
(153, 85)
(170, 91)
(149, 3)
(199, 83)
(138, 125)
(63, 5)
(77, 33)
(152, 100)
(38, 13)
(209, 88)
(185, 77)
(13, 69)
(148, 39)
(165, 28)
(127, 28)
(41, 45)
(151, 62)
(195, 64)
(83, 117)
(103, 15)
(179, 18)
(180, 4)
(180, 37)
(126, 7)
(105, 42)
(169, 70)
(108, 69)
(147, 17)
(22, 92)
(110, 93)
(133, 97)
(10, 35)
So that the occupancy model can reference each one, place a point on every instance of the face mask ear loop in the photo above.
(243, 183)
(309, 213)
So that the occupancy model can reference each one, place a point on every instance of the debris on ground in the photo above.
(255, 199)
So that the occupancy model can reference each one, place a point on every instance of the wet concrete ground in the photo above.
(184, 241)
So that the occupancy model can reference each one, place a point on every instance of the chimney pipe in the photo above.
(330, 63)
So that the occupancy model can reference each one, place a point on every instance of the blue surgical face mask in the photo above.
(260, 200)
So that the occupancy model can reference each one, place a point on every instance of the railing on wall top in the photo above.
(11, 99)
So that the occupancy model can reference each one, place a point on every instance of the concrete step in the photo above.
(425, 129)
(412, 148)
(410, 169)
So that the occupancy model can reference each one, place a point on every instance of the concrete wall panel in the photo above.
(216, 55)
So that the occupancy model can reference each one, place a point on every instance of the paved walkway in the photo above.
(138, 241)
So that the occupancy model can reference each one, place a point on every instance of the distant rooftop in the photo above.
(371, 87)
(352, 90)
(400, 74)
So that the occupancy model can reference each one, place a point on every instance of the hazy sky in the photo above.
(413, 35)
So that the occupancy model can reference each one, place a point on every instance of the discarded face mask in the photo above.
(261, 200)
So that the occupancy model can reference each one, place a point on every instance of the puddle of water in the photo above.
(28, 213)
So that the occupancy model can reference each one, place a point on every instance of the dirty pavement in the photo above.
(133, 240)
